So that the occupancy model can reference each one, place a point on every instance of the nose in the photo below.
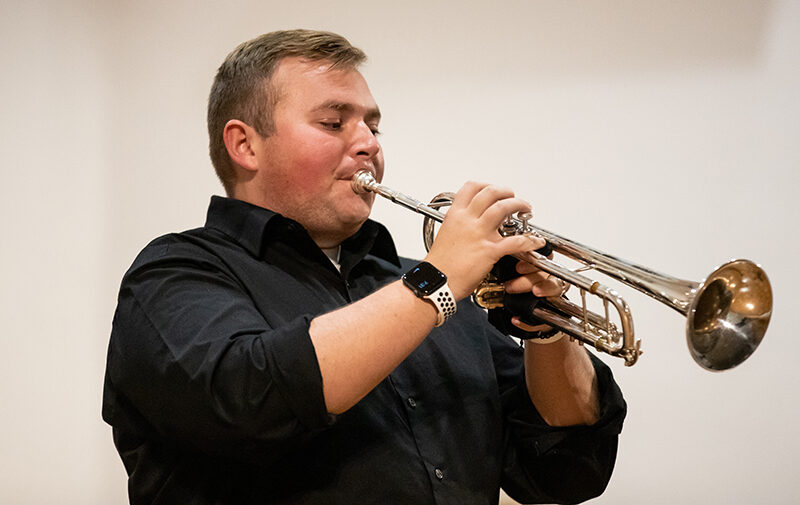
(365, 144)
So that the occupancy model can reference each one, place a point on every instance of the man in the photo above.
(275, 356)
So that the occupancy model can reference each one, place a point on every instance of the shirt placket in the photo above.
(416, 408)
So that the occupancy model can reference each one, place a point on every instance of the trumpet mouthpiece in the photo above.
(363, 182)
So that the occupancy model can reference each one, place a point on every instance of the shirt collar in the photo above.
(251, 225)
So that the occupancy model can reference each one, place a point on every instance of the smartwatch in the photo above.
(428, 283)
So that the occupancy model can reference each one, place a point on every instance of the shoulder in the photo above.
(201, 248)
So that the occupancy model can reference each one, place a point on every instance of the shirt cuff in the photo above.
(529, 424)
(296, 373)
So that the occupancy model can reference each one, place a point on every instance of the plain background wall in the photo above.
(667, 132)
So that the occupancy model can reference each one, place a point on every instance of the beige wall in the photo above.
(664, 131)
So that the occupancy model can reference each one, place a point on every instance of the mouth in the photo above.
(363, 181)
(364, 168)
(361, 178)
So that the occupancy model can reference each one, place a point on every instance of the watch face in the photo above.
(424, 279)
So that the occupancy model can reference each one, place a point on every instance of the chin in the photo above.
(352, 212)
(355, 220)
(362, 207)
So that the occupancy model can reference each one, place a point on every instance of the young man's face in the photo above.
(325, 125)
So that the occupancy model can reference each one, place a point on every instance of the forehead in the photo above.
(313, 84)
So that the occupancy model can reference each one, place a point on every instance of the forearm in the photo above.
(562, 383)
(358, 345)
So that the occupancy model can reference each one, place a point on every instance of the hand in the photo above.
(468, 244)
(538, 282)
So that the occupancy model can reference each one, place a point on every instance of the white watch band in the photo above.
(444, 302)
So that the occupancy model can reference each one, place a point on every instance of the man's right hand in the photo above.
(468, 243)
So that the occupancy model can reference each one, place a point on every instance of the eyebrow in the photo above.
(373, 113)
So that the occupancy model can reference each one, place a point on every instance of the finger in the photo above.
(548, 287)
(487, 197)
(498, 211)
(513, 245)
(524, 268)
(467, 193)
(524, 284)
(533, 283)
(541, 284)
(526, 327)
(539, 242)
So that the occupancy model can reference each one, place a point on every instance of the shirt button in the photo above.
(439, 474)
(412, 403)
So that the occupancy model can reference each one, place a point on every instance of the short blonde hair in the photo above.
(242, 90)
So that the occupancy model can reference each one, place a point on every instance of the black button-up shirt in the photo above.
(215, 395)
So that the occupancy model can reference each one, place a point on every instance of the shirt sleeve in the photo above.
(192, 360)
(547, 464)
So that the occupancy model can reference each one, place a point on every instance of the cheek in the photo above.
(379, 167)
(317, 157)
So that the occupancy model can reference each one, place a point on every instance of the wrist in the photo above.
(548, 337)
(430, 284)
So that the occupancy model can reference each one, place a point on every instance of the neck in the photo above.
(327, 239)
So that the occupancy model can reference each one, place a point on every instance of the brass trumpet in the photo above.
(727, 313)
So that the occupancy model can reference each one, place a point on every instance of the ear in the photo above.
(239, 138)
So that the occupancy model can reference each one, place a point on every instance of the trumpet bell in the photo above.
(729, 315)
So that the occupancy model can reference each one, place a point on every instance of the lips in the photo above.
(368, 168)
